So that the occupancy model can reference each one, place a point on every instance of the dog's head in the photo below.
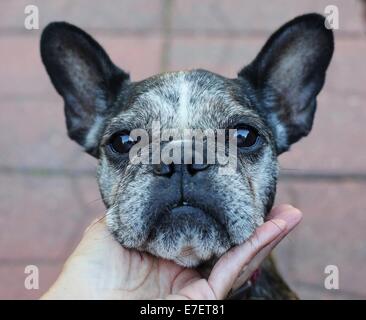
(189, 212)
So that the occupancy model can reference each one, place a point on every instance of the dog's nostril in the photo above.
(163, 169)
(194, 168)
(167, 170)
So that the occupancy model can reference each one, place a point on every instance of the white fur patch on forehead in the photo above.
(190, 99)
(170, 99)
(184, 98)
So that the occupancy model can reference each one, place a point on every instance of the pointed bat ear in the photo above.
(288, 74)
(85, 77)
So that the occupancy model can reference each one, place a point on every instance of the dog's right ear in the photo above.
(85, 77)
(288, 73)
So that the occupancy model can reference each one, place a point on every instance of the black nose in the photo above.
(163, 169)
(167, 170)
(194, 168)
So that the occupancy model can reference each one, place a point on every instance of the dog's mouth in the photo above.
(175, 214)
(188, 231)
(186, 209)
(188, 234)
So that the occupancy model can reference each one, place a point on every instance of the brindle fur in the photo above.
(276, 94)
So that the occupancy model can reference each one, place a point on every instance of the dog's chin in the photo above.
(188, 236)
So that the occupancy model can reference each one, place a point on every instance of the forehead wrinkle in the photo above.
(189, 99)
(160, 102)
(147, 107)
(221, 110)
(237, 116)
(171, 100)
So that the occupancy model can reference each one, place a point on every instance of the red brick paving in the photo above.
(130, 15)
(12, 278)
(221, 54)
(244, 17)
(22, 53)
(334, 224)
(42, 214)
(337, 141)
(42, 144)
(47, 191)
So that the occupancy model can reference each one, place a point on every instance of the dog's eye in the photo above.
(121, 142)
(246, 136)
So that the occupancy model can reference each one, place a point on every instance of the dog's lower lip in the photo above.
(185, 209)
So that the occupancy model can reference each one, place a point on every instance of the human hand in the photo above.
(100, 268)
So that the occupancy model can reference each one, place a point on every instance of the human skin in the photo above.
(100, 268)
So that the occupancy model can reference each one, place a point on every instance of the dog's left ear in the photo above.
(288, 73)
(85, 77)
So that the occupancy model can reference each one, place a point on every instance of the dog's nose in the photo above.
(194, 168)
(163, 169)
(167, 170)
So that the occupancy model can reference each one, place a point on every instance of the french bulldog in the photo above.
(189, 212)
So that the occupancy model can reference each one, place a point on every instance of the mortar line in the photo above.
(47, 172)
(166, 18)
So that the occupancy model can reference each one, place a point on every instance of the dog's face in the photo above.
(189, 212)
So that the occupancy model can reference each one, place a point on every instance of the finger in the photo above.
(231, 263)
(283, 209)
(255, 262)
(285, 212)
(228, 268)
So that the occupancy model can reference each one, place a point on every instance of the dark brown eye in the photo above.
(246, 136)
(121, 142)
